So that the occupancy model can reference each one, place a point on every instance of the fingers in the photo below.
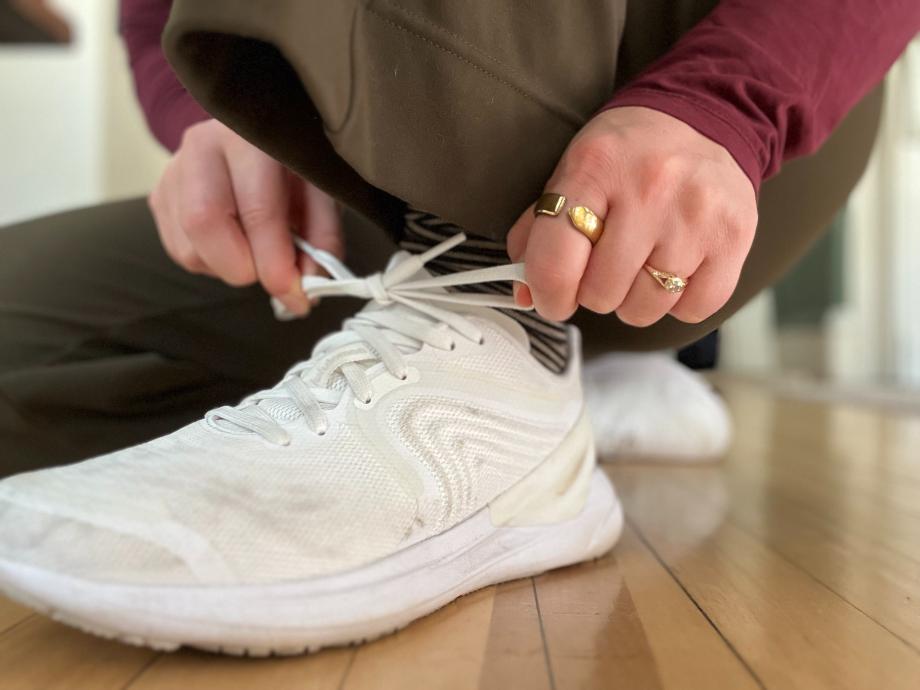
(614, 264)
(321, 225)
(647, 301)
(557, 253)
(206, 212)
(173, 238)
(260, 187)
(712, 285)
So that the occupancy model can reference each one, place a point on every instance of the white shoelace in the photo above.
(383, 333)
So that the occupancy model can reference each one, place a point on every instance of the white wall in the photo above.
(875, 334)
(70, 132)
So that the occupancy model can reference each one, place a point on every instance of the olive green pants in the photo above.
(104, 342)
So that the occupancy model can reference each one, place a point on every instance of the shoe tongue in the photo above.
(286, 410)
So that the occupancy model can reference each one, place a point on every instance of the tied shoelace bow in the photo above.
(379, 333)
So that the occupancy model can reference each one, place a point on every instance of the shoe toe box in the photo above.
(33, 534)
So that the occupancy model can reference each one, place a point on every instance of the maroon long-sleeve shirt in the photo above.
(769, 81)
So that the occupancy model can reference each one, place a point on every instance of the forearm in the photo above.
(168, 108)
(770, 81)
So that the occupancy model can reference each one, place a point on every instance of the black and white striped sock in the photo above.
(549, 342)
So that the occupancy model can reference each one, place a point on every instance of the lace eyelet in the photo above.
(321, 433)
(404, 377)
(482, 340)
(453, 346)
(368, 401)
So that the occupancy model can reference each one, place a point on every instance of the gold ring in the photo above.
(583, 218)
(671, 282)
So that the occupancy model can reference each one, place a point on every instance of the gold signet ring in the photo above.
(583, 218)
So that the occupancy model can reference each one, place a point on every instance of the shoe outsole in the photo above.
(587, 536)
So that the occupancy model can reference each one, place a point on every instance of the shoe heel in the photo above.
(555, 491)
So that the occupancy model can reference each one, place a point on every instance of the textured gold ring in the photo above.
(671, 282)
(583, 218)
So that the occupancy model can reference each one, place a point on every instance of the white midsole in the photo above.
(335, 609)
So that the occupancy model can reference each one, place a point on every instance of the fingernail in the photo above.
(295, 299)
(281, 311)
(522, 295)
(311, 269)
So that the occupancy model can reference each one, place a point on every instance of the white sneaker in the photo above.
(650, 407)
(420, 454)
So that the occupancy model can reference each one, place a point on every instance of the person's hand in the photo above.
(669, 197)
(226, 209)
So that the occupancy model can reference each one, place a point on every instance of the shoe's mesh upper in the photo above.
(46, 541)
(216, 507)
(267, 512)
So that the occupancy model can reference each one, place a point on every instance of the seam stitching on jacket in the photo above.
(529, 96)
(458, 37)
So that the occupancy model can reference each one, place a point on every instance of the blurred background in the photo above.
(844, 323)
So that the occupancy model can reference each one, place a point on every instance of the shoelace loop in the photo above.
(364, 338)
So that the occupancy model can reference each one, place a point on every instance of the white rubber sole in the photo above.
(301, 616)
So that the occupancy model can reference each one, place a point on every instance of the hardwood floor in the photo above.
(795, 563)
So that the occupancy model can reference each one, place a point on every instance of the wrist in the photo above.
(719, 128)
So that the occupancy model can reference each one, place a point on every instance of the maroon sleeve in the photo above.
(168, 107)
(770, 80)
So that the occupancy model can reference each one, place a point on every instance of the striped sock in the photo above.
(549, 341)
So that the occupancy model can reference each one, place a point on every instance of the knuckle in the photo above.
(200, 219)
(587, 164)
(276, 282)
(597, 300)
(547, 277)
(701, 308)
(556, 312)
(699, 203)
(658, 174)
(242, 271)
(635, 318)
(190, 262)
(589, 154)
(184, 258)
(259, 215)
(688, 315)
(598, 306)
(240, 276)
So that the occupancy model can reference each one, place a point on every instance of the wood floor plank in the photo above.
(515, 655)
(857, 513)
(622, 621)
(11, 614)
(816, 489)
(688, 651)
(444, 651)
(593, 633)
(40, 654)
(199, 671)
(789, 628)
(877, 579)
